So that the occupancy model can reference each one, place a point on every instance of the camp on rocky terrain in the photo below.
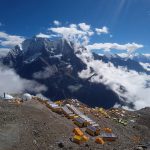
(69, 124)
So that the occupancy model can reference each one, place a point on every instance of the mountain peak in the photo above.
(139, 57)
(110, 55)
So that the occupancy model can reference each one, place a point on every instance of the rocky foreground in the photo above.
(30, 125)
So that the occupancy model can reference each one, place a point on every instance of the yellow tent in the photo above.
(80, 139)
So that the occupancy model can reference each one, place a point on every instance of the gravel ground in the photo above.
(32, 126)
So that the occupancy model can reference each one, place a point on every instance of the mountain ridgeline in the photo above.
(56, 65)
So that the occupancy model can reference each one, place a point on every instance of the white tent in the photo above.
(8, 97)
(26, 96)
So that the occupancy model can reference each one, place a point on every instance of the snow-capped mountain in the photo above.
(145, 66)
(144, 58)
(120, 61)
(74, 72)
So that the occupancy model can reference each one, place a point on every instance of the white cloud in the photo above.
(9, 79)
(148, 55)
(81, 33)
(73, 33)
(43, 35)
(73, 26)
(123, 55)
(130, 47)
(113, 77)
(56, 22)
(103, 30)
(84, 26)
(67, 31)
(4, 51)
(7, 40)
(90, 33)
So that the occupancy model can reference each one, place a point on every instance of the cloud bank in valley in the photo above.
(12, 83)
(136, 86)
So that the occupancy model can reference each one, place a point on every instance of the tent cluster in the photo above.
(79, 136)
(25, 97)
(120, 116)
(103, 112)
(72, 110)
(78, 113)
(16, 99)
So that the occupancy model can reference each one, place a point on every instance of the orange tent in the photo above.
(108, 130)
(77, 131)
(99, 140)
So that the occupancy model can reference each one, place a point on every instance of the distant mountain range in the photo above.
(144, 58)
(56, 65)
(141, 58)
(129, 62)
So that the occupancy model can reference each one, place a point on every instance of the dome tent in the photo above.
(27, 96)
(8, 97)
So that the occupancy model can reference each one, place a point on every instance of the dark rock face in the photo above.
(55, 64)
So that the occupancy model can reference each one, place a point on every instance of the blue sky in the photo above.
(128, 20)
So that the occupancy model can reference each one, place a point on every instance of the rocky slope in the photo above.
(31, 125)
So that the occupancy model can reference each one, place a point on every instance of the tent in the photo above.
(74, 109)
(108, 136)
(80, 122)
(99, 141)
(26, 96)
(80, 139)
(107, 130)
(68, 112)
(54, 107)
(89, 121)
(78, 132)
(7, 97)
(93, 130)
